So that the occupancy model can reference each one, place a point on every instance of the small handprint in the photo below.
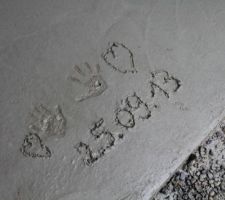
(90, 79)
(33, 147)
(46, 123)
(120, 58)
(164, 82)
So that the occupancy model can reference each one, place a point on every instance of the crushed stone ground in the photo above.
(202, 176)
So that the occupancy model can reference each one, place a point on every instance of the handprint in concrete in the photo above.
(91, 79)
(46, 123)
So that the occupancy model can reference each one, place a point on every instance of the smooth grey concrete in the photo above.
(104, 99)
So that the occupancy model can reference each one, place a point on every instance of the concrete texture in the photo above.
(105, 99)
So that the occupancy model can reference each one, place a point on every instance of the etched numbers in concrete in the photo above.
(124, 118)
(98, 128)
(103, 141)
(163, 82)
(136, 105)
(85, 152)
(132, 109)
